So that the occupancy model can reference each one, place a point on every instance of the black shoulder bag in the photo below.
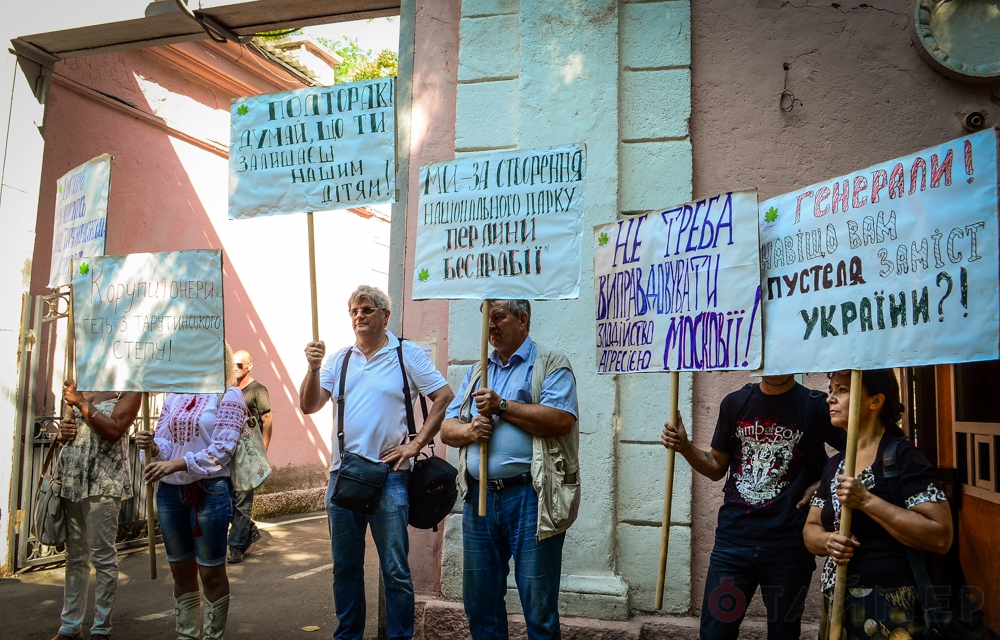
(360, 479)
(433, 486)
(959, 617)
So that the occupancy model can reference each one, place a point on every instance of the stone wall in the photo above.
(616, 77)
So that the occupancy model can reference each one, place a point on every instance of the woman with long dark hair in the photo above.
(881, 600)
(195, 437)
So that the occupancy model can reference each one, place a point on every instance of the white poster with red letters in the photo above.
(894, 265)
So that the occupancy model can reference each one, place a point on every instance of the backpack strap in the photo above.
(411, 426)
(340, 399)
(925, 590)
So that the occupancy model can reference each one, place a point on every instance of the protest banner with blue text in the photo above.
(81, 216)
(314, 149)
(891, 266)
(506, 224)
(679, 289)
(150, 322)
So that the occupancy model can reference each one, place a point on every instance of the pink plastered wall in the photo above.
(856, 94)
(169, 191)
(432, 139)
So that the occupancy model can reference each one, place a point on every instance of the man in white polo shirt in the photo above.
(375, 427)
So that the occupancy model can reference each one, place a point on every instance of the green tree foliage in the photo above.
(280, 34)
(361, 64)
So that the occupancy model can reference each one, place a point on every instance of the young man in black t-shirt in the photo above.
(769, 440)
(242, 531)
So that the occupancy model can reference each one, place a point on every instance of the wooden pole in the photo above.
(70, 337)
(668, 495)
(150, 505)
(850, 458)
(484, 356)
(312, 277)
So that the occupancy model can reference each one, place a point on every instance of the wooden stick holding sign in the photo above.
(150, 504)
(70, 342)
(484, 361)
(850, 458)
(312, 277)
(668, 494)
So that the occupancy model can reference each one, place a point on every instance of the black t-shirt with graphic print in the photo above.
(776, 449)
(881, 559)
(258, 402)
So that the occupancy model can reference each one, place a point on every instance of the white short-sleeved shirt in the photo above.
(374, 413)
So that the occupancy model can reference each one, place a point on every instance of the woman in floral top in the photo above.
(881, 597)
(195, 437)
(94, 471)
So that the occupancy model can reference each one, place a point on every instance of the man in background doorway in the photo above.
(242, 531)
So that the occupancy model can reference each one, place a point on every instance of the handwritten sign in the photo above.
(81, 216)
(891, 266)
(313, 149)
(679, 289)
(150, 322)
(501, 225)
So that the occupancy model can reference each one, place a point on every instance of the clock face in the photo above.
(959, 39)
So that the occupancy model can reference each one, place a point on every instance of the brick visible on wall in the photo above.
(657, 104)
(639, 566)
(656, 35)
(490, 48)
(654, 175)
(478, 8)
(487, 116)
(641, 481)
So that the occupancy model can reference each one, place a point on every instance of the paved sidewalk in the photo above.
(284, 584)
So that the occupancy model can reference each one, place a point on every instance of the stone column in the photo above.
(532, 74)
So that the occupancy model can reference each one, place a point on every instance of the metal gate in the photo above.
(42, 366)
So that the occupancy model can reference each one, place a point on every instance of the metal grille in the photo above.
(43, 329)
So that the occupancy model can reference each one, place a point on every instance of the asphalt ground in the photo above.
(282, 585)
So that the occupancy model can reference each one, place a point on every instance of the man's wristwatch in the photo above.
(502, 407)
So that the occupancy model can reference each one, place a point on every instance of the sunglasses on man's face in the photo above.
(365, 311)
(240, 365)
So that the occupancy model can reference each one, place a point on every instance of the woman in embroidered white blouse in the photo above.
(195, 437)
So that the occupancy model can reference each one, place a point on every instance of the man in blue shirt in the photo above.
(528, 415)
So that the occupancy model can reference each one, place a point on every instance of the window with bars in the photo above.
(977, 427)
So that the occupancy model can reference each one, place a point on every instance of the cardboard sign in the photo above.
(501, 225)
(679, 289)
(81, 216)
(313, 149)
(892, 266)
(150, 322)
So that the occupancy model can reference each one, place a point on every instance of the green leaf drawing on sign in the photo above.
(424, 275)
(84, 268)
(602, 239)
(242, 110)
(771, 215)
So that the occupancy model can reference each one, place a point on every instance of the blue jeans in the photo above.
(204, 505)
(347, 546)
(735, 572)
(489, 543)
(242, 527)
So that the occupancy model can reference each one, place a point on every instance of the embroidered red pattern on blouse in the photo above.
(184, 418)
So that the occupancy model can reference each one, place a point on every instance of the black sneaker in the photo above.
(254, 536)
(235, 555)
